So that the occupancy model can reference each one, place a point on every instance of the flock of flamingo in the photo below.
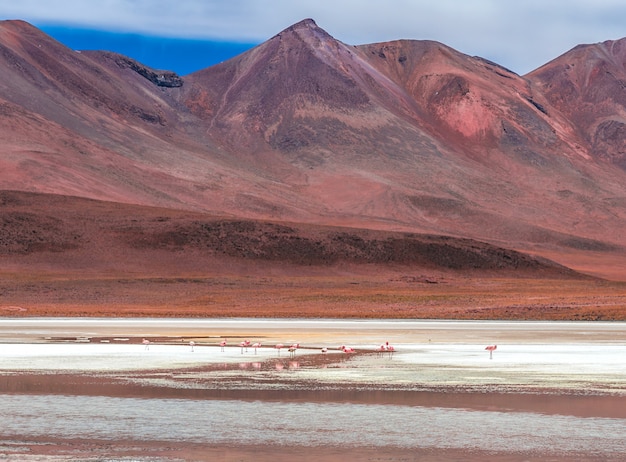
(244, 345)
(384, 348)
(279, 346)
(292, 348)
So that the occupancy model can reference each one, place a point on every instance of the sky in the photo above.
(188, 35)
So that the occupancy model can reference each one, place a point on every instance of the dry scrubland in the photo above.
(336, 297)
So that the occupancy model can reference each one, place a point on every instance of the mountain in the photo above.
(587, 86)
(404, 136)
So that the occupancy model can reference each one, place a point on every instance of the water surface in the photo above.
(236, 422)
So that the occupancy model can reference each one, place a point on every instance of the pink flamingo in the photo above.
(324, 350)
(293, 348)
(146, 343)
(223, 344)
(346, 350)
(491, 348)
(192, 344)
(256, 345)
(390, 349)
(278, 346)
(381, 349)
(245, 344)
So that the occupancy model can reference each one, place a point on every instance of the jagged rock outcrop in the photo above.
(160, 78)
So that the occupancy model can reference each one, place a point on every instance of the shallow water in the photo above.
(236, 422)
(552, 391)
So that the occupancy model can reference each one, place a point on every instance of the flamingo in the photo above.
(245, 344)
(292, 349)
(346, 350)
(223, 344)
(390, 349)
(146, 342)
(192, 344)
(256, 345)
(324, 350)
(381, 349)
(491, 348)
(278, 346)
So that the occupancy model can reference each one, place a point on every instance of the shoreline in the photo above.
(549, 401)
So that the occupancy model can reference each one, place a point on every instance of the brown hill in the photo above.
(406, 136)
(126, 238)
(63, 255)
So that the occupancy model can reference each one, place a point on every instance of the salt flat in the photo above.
(572, 355)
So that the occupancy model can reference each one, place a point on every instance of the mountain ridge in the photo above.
(406, 135)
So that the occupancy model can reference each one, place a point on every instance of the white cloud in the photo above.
(520, 35)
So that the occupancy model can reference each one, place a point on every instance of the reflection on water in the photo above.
(308, 424)
(257, 366)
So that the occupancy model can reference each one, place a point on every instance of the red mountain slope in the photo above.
(587, 85)
(406, 135)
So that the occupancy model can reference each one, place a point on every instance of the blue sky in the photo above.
(187, 35)
(182, 55)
